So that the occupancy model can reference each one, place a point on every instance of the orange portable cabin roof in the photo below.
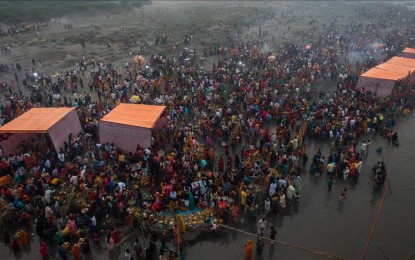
(409, 50)
(383, 74)
(36, 120)
(402, 61)
(396, 68)
(138, 115)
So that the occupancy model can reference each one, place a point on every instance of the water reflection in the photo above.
(340, 207)
(296, 207)
(114, 254)
(375, 198)
(234, 236)
(271, 251)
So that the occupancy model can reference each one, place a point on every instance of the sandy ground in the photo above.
(205, 21)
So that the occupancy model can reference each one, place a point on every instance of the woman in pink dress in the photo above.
(72, 227)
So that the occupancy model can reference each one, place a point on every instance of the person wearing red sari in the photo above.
(234, 212)
(221, 165)
(43, 249)
(130, 220)
(76, 251)
(115, 235)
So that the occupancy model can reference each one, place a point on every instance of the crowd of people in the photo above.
(235, 140)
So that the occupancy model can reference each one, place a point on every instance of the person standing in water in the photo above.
(259, 246)
(330, 183)
(248, 250)
(273, 234)
(262, 224)
(343, 194)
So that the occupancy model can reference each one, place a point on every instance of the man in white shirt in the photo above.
(272, 189)
(295, 143)
(93, 221)
(83, 174)
(57, 207)
(121, 185)
(48, 212)
(48, 195)
(74, 180)
(113, 149)
(173, 195)
(363, 149)
(282, 182)
(48, 164)
(290, 194)
(61, 157)
(214, 226)
(262, 224)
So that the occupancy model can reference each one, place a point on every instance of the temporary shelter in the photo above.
(58, 123)
(382, 78)
(130, 124)
(408, 62)
(408, 53)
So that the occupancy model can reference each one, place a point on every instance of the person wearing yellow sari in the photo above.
(300, 137)
(23, 237)
(190, 141)
(364, 127)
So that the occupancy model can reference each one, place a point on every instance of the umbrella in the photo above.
(308, 47)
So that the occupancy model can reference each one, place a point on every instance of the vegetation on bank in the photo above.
(13, 12)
